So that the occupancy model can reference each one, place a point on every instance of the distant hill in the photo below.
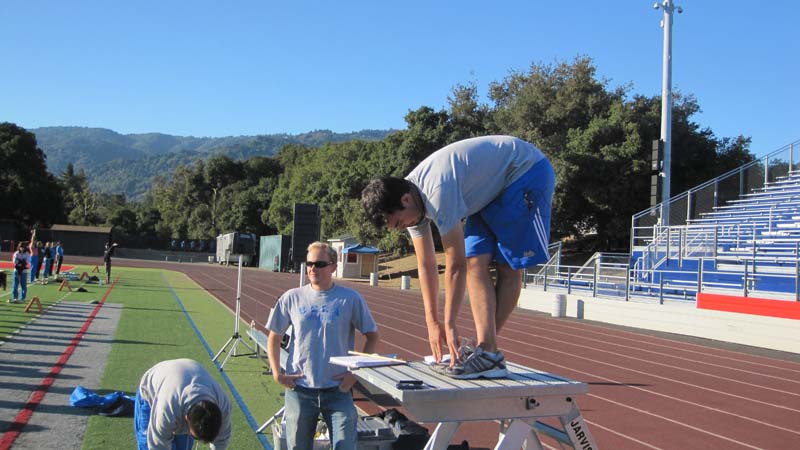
(127, 163)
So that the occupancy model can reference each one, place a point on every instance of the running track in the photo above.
(646, 391)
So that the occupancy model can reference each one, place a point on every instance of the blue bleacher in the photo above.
(756, 237)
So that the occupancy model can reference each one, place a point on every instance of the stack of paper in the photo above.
(430, 360)
(357, 361)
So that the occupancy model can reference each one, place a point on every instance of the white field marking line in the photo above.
(672, 341)
(641, 411)
(608, 379)
(641, 372)
(222, 302)
(515, 320)
(773, 405)
(670, 397)
(615, 381)
(651, 391)
(668, 365)
(685, 344)
(257, 300)
(277, 291)
(654, 363)
(677, 356)
(623, 435)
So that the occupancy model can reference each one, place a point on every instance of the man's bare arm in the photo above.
(429, 285)
(372, 342)
(455, 282)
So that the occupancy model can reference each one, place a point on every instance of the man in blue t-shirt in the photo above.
(59, 256)
(324, 317)
(503, 186)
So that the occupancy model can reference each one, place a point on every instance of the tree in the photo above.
(599, 142)
(83, 203)
(469, 117)
(29, 194)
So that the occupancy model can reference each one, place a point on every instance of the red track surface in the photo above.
(645, 391)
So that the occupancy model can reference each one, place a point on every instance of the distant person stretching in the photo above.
(107, 254)
(503, 186)
(177, 402)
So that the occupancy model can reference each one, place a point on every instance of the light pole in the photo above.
(666, 104)
(214, 210)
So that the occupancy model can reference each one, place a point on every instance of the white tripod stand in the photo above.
(236, 338)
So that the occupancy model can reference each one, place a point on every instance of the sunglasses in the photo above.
(318, 264)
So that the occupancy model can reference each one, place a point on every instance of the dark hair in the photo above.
(205, 420)
(382, 196)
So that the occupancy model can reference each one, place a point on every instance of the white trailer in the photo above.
(230, 245)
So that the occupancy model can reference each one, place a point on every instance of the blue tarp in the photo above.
(86, 398)
(361, 249)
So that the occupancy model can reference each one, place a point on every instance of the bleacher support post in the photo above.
(754, 250)
(569, 280)
(797, 272)
(627, 284)
(744, 280)
(669, 238)
(544, 286)
(699, 275)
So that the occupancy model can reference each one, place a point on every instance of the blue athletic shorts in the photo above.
(515, 226)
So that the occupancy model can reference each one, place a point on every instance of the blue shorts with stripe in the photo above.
(515, 226)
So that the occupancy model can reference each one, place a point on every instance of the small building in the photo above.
(355, 260)
(274, 254)
(78, 240)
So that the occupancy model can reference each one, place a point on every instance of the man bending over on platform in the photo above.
(324, 317)
(177, 402)
(503, 186)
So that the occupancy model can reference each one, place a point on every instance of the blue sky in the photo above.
(214, 68)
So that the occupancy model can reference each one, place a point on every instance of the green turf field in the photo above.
(154, 328)
(13, 316)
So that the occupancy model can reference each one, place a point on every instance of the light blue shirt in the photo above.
(323, 325)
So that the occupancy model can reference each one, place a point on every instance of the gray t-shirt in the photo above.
(323, 325)
(171, 388)
(462, 178)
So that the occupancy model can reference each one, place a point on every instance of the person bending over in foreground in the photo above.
(503, 186)
(324, 317)
(177, 402)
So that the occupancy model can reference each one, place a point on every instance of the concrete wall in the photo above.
(675, 317)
